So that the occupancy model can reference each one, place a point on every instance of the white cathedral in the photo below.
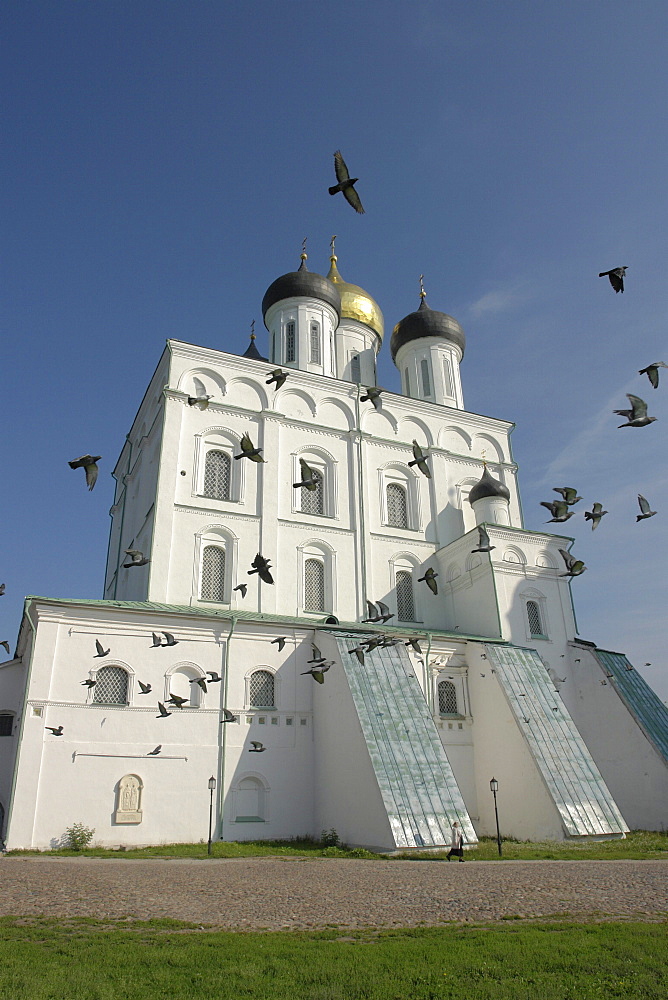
(388, 751)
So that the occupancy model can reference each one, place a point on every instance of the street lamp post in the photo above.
(494, 786)
(212, 786)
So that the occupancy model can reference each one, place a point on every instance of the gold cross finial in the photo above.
(423, 294)
(253, 330)
(331, 245)
(483, 454)
(304, 245)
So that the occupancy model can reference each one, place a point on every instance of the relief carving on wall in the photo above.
(129, 800)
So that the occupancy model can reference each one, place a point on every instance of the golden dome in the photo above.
(355, 302)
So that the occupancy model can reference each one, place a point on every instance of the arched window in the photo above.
(111, 687)
(405, 603)
(213, 574)
(426, 379)
(397, 505)
(217, 475)
(314, 585)
(314, 352)
(535, 621)
(447, 377)
(250, 801)
(261, 689)
(313, 501)
(289, 342)
(407, 382)
(447, 698)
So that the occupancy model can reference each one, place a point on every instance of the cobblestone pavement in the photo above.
(270, 893)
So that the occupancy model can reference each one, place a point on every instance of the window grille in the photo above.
(405, 603)
(217, 475)
(355, 369)
(397, 506)
(426, 381)
(6, 723)
(408, 382)
(213, 574)
(447, 698)
(111, 687)
(314, 585)
(289, 342)
(261, 691)
(535, 623)
(315, 343)
(447, 377)
(313, 501)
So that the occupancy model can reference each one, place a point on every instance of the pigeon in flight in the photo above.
(637, 415)
(346, 183)
(137, 558)
(257, 747)
(317, 672)
(616, 277)
(57, 731)
(279, 641)
(644, 509)
(317, 655)
(248, 450)
(420, 459)
(276, 378)
(569, 494)
(242, 588)
(652, 372)
(163, 711)
(228, 716)
(594, 515)
(144, 688)
(101, 651)
(558, 509)
(2, 589)
(89, 463)
(484, 544)
(200, 682)
(415, 645)
(430, 579)
(309, 481)
(372, 643)
(4, 643)
(176, 700)
(574, 567)
(200, 401)
(378, 612)
(155, 751)
(157, 641)
(261, 566)
(169, 639)
(359, 653)
(385, 613)
(89, 683)
(373, 395)
(214, 678)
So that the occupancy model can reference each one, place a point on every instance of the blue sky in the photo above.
(164, 160)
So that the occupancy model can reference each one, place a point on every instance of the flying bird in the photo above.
(420, 459)
(279, 641)
(430, 579)
(89, 683)
(228, 716)
(594, 515)
(574, 567)
(372, 613)
(137, 558)
(644, 509)
(214, 678)
(89, 464)
(248, 450)
(616, 277)
(346, 183)
(261, 566)
(155, 751)
(309, 480)
(558, 509)
(200, 401)
(257, 747)
(144, 688)
(317, 655)
(415, 645)
(242, 588)
(359, 653)
(385, 613)
(318, 672)
(652, 372)
(101, 651)
(157, 641)
(637, 415)
(169, 639)
(4, 643)
(373, 395)
(56, 731)
(372, 643)
(2, 589)
(176, 700)
(276, 378)
(569, 494)
(163, 711)
(200, 682)
(484, 544)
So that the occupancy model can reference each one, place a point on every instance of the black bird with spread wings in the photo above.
(569, 493)
(257, 747)
(594, 515)
(228, 716)
(558, 509)
(373, 395)
(308, 481)
(242, 588)
(637, 415)
(484, 544)
(248, 450)
(101, 651)
(137, 558)
(420, 459)
(645, 510)
(57, 731)
(430, 579)
(574, 567)
(276, 378)
(89, 464)
(346, 183)
(652, 372)
(616, 277)
(261, 566)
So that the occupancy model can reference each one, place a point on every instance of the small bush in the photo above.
(78, 836)
(329, 838)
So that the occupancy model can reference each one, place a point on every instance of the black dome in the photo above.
(488, 486)
(302, 283)
(426, 322)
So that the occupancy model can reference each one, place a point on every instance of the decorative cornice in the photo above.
(317, 526)
(215, 512)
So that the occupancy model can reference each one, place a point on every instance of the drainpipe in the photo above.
(427, 675)
(360, 487)
(222, 737)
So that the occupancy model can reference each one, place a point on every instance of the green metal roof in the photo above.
(642, 702)
(572, 778)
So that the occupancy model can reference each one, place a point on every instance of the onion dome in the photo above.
(302, 283)
(355, 302)
(426, 322)
(488, 486)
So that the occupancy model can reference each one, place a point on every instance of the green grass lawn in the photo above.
(43, 959)
(639, 845)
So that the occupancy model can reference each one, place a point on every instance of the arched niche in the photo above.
(128, 799)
